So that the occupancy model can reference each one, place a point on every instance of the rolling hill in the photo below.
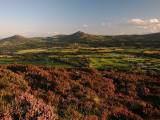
(20, 42)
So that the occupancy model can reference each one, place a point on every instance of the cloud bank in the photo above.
(152, 24)
(144, 23)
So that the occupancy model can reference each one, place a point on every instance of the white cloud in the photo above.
(85, 26)
(140, 22)
(56, 33)
(122, 33)
(151, 24)
(136, 21)
(103, 24)
(49, 33)
(154, 21)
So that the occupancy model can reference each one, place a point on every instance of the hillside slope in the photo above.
(19, 42)
(76, 93)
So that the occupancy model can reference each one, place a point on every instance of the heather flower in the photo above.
(25, 106)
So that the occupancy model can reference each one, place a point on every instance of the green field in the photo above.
(39, 62)
(102, 58)
(49, 62)
(7, 60)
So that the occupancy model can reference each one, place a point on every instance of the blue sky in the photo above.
(106, 17)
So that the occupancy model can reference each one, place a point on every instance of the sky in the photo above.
(34, 18)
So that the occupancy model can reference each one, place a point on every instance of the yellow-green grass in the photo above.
(95, 63)
(64, 50)
(31, 51)
(69, 50)
(105, 51)
(100, 62)
(5, 56)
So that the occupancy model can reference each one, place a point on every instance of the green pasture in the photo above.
(84, 50)
(46, 62)
(38, 62)
(7, 60)
(99, 58)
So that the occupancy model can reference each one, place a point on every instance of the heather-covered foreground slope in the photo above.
(38, 92)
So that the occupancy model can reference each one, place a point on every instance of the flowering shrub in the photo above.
(26, 107)
(118, 113)
(91, 117)
(146, 91)
(76, 93)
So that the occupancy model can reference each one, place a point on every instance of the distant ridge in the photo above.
(20, 42)
(158, 33)
(77, 35)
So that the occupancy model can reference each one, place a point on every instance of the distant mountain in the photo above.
(80, 37)
(19, 42)
(11, 41)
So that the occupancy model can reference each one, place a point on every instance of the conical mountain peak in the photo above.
(17, 36)
(80, 34)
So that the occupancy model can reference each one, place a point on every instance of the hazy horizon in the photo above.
(42, 18)
(69, 34)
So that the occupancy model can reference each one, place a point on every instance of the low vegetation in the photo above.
(80, 76)
(44, 92)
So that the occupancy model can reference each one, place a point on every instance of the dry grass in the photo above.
(152, 52)
(105, 50)
(30, 51)
(5, 56)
